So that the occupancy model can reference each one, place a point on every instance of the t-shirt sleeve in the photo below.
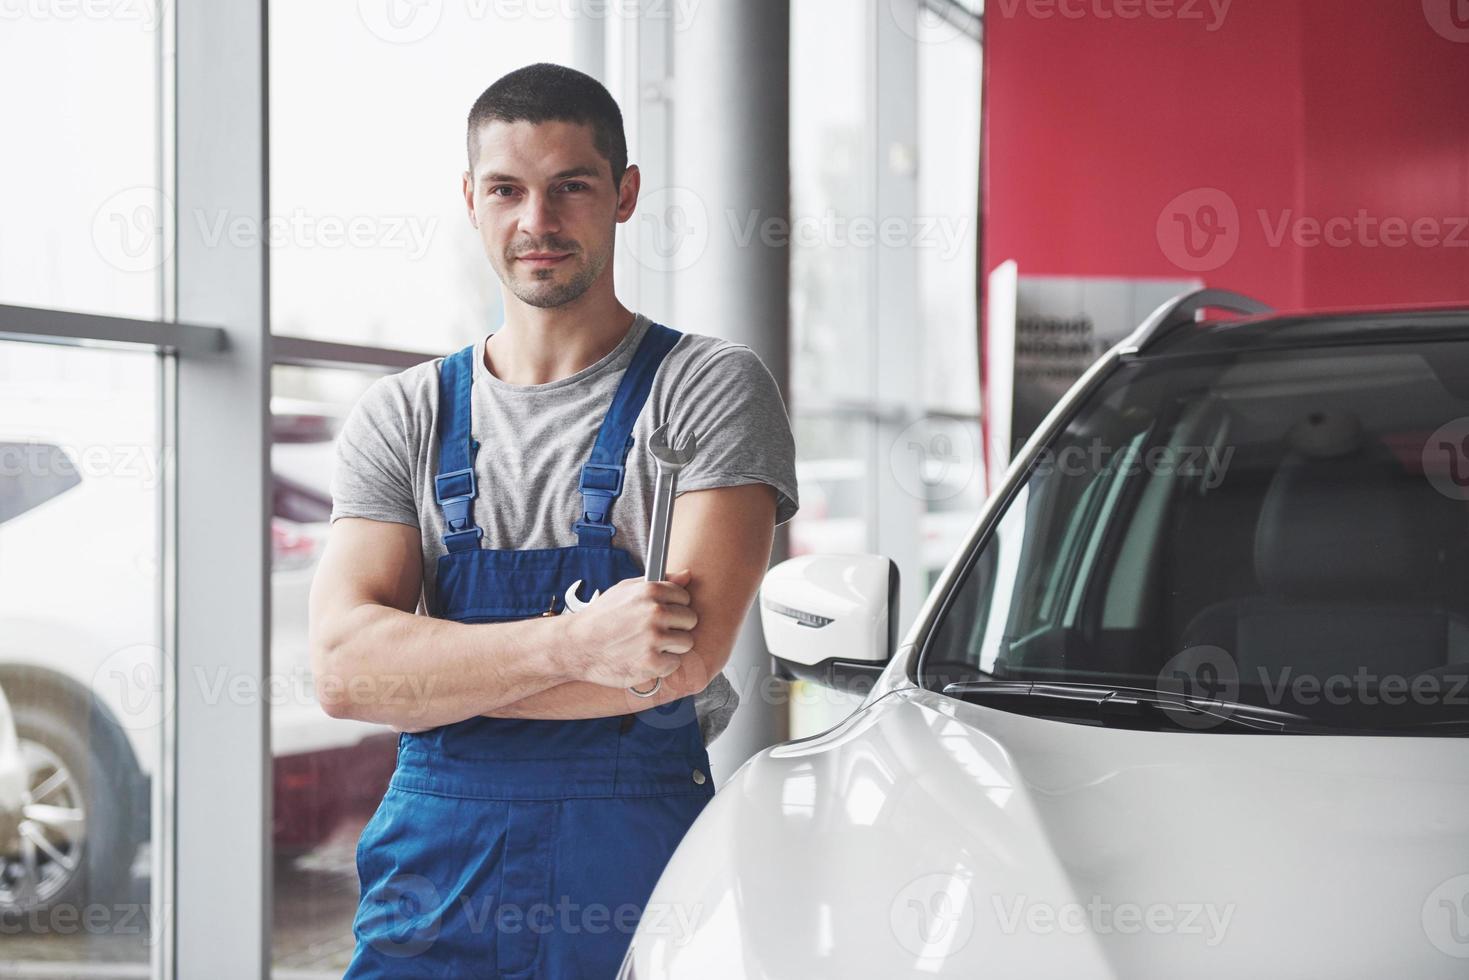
(371, 473)
(733, 404)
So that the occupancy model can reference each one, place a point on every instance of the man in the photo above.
(549, 760)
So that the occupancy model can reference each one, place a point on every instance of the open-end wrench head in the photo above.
(672, 457)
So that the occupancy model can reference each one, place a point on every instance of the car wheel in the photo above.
(74, 845)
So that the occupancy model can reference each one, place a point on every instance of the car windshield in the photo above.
(1283, 530)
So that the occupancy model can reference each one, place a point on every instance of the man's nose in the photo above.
(538, 218)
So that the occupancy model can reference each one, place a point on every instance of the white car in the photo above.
(1191, 700)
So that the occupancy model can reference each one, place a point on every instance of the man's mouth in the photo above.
(538, 260)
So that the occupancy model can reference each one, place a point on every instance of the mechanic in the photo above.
(549, 761)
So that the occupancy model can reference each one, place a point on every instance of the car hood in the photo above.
(928, 837)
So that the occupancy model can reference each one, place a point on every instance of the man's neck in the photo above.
(538, 346)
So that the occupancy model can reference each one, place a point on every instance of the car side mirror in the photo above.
(832, 619)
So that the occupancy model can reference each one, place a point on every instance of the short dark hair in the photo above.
(544, 92)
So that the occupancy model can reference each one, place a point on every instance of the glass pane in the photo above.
(1261, 527)
(948, 206)
(831, 188)
(835, 484)
(83, 216)
(370, 241)
(81, 664)
(330, 773)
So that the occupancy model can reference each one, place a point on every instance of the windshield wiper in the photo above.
(1124, 707)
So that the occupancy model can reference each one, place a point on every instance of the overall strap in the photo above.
(454, 486)
(602, 475)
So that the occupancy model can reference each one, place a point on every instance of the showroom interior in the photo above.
(220, 223)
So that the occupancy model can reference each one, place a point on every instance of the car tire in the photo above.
(75, 765)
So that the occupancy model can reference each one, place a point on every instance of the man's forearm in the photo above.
(581, 699)
(418, 672)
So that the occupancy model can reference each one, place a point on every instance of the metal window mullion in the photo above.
(222, 802)
(897, 367)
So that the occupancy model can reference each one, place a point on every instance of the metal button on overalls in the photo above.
(526, 848)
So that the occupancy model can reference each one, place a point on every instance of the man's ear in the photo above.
(627, 192)
(469, 198)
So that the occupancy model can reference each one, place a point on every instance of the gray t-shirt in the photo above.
(535, 438)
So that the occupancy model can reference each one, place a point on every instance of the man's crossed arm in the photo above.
(373, 659)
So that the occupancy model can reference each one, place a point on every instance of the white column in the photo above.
(222, 797)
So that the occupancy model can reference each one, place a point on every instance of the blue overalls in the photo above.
(527, 848)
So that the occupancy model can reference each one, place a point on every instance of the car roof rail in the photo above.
(1185, 309)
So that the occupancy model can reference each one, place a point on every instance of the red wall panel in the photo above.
(1262, 150)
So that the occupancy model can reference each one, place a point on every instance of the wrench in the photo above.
(669, 460)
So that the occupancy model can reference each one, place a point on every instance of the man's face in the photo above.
(543, 200)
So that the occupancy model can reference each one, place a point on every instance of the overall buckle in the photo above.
(599, 484)
(454, 491)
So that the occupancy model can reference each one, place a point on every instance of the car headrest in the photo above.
(1342, 527)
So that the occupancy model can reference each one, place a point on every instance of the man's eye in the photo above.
(495, 191)
(573, 185)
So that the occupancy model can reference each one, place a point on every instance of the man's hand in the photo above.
(633, 632)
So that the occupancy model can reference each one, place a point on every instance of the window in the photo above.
(367, 113)
(1293, 521)
(83, 699)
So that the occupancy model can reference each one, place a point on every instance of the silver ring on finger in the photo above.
(657, 686)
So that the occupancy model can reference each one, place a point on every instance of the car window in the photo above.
(1298, 519)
